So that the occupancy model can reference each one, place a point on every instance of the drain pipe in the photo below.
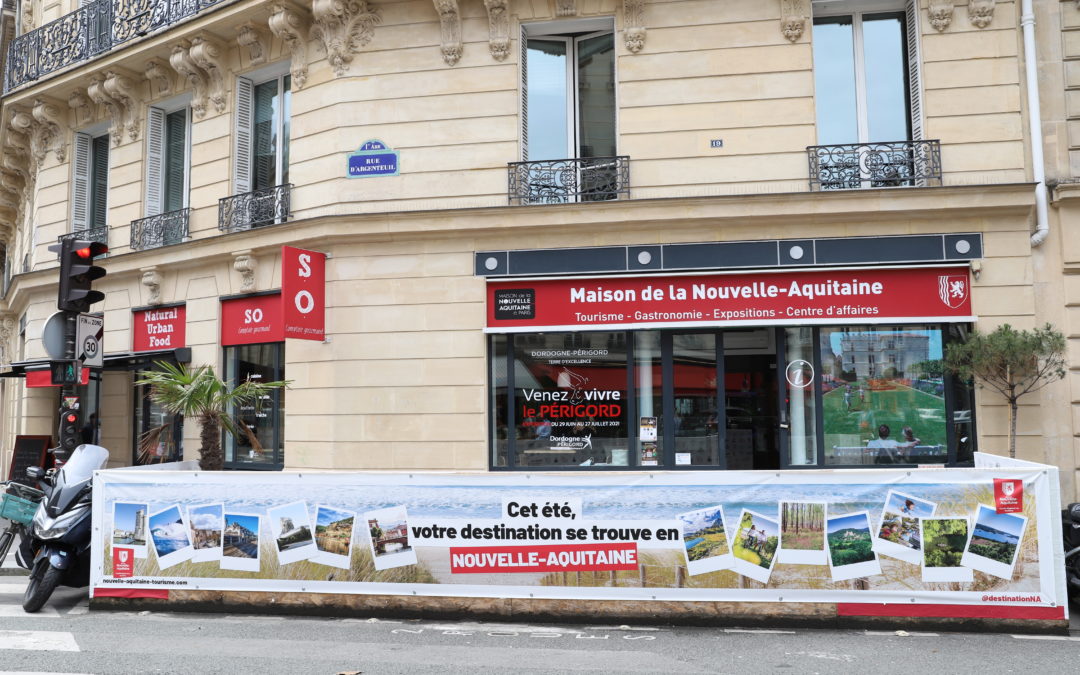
(1031, 67)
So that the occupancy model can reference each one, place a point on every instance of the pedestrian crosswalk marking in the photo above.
(12, 589)
(38, 640)
(10, 611)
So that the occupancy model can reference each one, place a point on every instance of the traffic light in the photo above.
(69, 429)
(77, 274)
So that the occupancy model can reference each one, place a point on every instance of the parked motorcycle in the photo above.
(1070, 525)
(57, 550)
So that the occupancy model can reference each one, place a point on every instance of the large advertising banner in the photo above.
(927, 536)
(775, 297)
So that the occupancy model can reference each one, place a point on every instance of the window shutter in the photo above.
(524, 96)
(99, 181)
(155, 140)
(80, 183)
(914, 69)
(242, 137)
(174, 176)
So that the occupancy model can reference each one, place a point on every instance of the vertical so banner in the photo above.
(303, 293)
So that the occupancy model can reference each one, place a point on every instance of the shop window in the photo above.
(883, 395)
(90, 182)
(866, 72)
(568, 90)
(159, 434)
(259, 442)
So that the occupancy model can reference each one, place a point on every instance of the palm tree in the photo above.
(198, 393)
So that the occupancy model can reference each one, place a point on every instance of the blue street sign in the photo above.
(373, 158)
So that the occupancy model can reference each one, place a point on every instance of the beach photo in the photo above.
(207, 522)
(851, 551)
(944, 541)
(388, 537)
(129, 527)
(898, 534)
(240, 542)
(334, 536)
(755, 544)
(169, 533)
(705, 541)
(802, 533)
(290, 526)
(994, 542)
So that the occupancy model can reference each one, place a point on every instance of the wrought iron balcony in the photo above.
(98, 234)
(563, 181)
(875, 165)
(254, 209)
(163, 229)
(92, 29)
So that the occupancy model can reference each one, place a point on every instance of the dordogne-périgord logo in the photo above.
(953, 290)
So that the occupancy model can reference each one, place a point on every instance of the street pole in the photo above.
(71, 323)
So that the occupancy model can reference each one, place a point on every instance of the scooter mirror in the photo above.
(35, 472)
(1074, 512)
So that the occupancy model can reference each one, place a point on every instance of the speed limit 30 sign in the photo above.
(88, 347)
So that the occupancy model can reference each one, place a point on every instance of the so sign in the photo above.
(303, 293)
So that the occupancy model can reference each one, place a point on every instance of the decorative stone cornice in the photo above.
(206, 53)
(181, 61)
(27, 22)
(292, 26)
(96, 92)
(158, 73)
(80, 106)
(343, 27)
(151, 278)
(120, 86)
(245, 263)
(25, 140)
(565, 7)
(498, 28)
(450, 27)
(981, 12)
(250, 36)
(634, 25)
(51, 124)
(793, 15)
(16, 166)
(940, 13)
(9, 324)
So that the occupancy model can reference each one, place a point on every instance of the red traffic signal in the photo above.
(92, 251)
(78, 273)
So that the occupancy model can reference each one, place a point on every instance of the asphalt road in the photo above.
(66, 637)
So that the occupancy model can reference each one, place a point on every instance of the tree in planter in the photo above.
(1013, 363)
(199, 394)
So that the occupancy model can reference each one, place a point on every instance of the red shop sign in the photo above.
(859, 295)
(159, 328)
(251, 319)
(303, 293)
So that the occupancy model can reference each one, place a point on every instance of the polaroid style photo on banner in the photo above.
(290, 526)
(129, 527)
(388, 536)
(705, 540)
(897, 533)
(802, 533)
(851, 549)
(755, 544)
(241, 544)
(334, 536)
(169, 533)
(995, 542)
(207, 522)
(944, 541)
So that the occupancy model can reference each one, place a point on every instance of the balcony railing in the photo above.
(563, 181)
(160, 230)
(875, 165)
(92, 29)
(254, 209)
(98, 234)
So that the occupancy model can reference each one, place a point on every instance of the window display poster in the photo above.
(647, 431)
(694, 535)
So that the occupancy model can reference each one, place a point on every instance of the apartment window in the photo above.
(168, 158)
(90, 185)
(866, 74)
(262, 138)
(568, 90)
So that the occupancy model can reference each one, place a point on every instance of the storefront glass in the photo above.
(259, 442)
(883, 395)
(696, 418)
(158, 433)
(801, 408)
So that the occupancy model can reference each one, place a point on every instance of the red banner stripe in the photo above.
(155, 593)
(952, 611)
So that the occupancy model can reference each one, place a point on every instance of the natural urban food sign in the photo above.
(159, 328)
(906, 537)
(868, 295)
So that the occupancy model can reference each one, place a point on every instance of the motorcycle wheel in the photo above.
(6, 537)
(43, 581)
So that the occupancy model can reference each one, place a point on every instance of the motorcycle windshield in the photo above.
(83, 463)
